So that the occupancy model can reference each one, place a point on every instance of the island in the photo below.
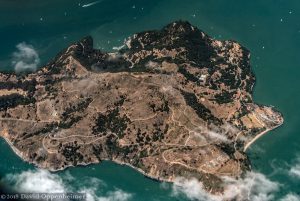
(170, 103)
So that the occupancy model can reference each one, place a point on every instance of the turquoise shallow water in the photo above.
(270, 29)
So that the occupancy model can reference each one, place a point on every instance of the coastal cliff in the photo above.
(171, 103)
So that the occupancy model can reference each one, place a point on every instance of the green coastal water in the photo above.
(270, 29)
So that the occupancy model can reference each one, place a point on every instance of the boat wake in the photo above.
(91, 4)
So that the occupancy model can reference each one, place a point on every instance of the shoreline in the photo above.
(116, 161)
(140, 171)
(21, 156)
(260, 135)
(14, 149)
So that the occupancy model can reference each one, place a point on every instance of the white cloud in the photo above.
(39, 181)
(220, 133)
(42, 181)
(192, 189)
(254, 187)
(290, 197)
(117, 195)
(114, 56)
(217, 136)
(93, 185)
(25, 58)
(295, 170)
(152, 65)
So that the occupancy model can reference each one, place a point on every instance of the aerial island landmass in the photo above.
(171, 103)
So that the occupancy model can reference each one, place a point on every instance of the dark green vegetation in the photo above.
(13, 100)
(190, 77)
(164, 107)
(97, 151)
(228, 149)
(113, 149)
(71, 153)
(198, 49)
(111, 122)
(46, 129)
(199, 108)
(26, 85)
(224, 97)
(73, 114)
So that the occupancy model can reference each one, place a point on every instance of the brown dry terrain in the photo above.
(171, 103)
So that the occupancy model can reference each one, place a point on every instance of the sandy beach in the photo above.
(258, 136)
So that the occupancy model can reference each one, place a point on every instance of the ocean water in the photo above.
(270, 29)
